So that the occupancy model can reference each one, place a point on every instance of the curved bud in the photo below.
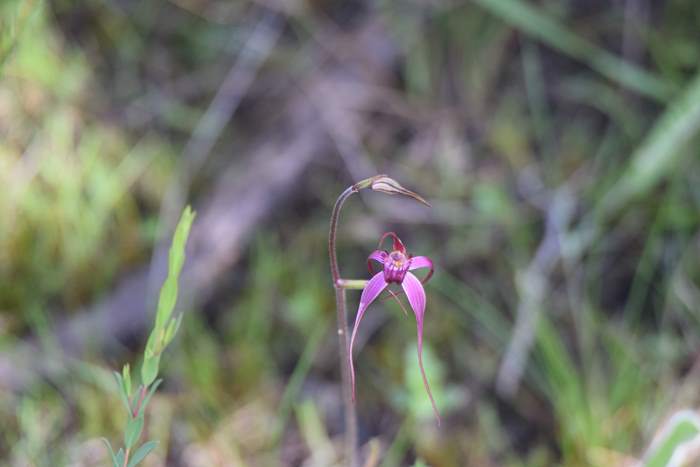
(390, 186)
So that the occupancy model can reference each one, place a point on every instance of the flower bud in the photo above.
(390, 186)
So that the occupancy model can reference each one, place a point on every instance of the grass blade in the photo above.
(548, 30)
(659, 152)
(667, 449)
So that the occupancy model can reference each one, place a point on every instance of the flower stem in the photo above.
(335, 272)
(348, 405)
(343, 343)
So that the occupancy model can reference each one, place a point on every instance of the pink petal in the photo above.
(378, 256)
(416, 297)
(371, 291)
(418, 262)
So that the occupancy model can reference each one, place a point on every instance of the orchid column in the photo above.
(383, 184)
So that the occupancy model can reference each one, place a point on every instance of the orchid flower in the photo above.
(397, 267)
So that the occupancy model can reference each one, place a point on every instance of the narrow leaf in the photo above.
(147, 399)
(149, 369)
(151, 344)
(120, 388)
(536, 23)
(111, 452)
(660, 151)
(173, 326)
(133, 431)
(126, 377)
(142, 452)
(168, 293)
(667, 449)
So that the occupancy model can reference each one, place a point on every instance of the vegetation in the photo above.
(557, 143)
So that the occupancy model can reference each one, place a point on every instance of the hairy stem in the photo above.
(342, 325)
(348, 404)
(335, 272)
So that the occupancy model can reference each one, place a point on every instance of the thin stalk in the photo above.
(343, 341)
(142, 396)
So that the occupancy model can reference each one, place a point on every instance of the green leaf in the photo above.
(149, 369)
(160, 337)
(152, 343)
(168, 293)
(173, 326)
(682, 427)
(133, 431)
(120, 387)
(167, 300)
(142, 452)
(120, 458)
(126, 376)
(147, 399)
(111, 452)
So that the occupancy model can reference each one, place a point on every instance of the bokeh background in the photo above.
(556, 141)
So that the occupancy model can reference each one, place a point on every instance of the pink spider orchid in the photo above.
(397, 266)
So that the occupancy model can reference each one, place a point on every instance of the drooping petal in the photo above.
(418, 262)
(378, 256)
(371, 291)
(416, 297)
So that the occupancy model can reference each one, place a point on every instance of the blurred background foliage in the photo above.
(556, 141)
